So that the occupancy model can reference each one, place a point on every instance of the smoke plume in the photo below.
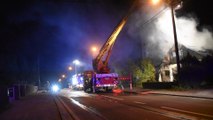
(155, 32)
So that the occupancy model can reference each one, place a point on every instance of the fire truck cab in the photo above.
(99, 82)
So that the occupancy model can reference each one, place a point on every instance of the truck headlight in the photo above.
(55, 88)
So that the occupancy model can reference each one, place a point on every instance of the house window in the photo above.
(167, 72)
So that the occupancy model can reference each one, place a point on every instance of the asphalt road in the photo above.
(109, 106)
(39, 106)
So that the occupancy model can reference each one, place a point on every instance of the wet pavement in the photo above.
(38, 106)
(41, 106)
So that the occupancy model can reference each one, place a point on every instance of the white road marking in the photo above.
(68, 109)
(189, 112)
(87, 108)
(139, 102)
(204, 99)
(168, 113)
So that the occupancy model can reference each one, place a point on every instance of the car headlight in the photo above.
(55, 88)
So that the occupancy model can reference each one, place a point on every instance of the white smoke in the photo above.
(187, 33)
(157, 35)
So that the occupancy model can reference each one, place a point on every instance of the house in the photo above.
(168, 67)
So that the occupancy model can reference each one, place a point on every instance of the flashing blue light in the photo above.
(74, 80)
(55, 88)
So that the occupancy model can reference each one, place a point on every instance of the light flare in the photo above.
(155, 2)
(74, 80)
(94, 49)
(55, 88)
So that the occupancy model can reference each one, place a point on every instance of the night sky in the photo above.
(54, 33)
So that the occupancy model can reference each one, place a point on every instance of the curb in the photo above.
(191, 96)
(150, 92)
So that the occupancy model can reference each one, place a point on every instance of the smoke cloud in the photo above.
(156, 33)
(187, 33)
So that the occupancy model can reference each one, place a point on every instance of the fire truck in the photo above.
(101, 77)
(95, 82)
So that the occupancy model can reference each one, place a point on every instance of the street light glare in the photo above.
(63, 76)
(69, 68)
(154, 2)
(76, 62)
(55, 88)
(94, 49)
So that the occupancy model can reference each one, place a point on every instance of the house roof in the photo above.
(170, 57)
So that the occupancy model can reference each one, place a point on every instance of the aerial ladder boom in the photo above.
(100, 63)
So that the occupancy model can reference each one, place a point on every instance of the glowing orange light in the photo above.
(155, 2)
(117, 90)
(94, 49)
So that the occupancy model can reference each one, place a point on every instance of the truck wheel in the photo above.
(108, 89)
(91, 89)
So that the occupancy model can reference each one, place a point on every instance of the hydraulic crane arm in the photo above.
(99, 65)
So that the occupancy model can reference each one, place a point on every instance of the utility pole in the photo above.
(173, 4)
(175, 41)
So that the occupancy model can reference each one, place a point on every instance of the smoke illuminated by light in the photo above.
(156, 35)
(155, 2)
(187, 33)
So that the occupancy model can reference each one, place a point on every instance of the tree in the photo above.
(143, 72)
(148, 71)
(137, 74)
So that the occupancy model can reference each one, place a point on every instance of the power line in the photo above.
(154, 17)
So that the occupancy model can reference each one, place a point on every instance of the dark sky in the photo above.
(57, 32)
(201, 9)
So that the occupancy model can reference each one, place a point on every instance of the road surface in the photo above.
(109, 106)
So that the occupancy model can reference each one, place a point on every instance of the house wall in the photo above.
(167, 73)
